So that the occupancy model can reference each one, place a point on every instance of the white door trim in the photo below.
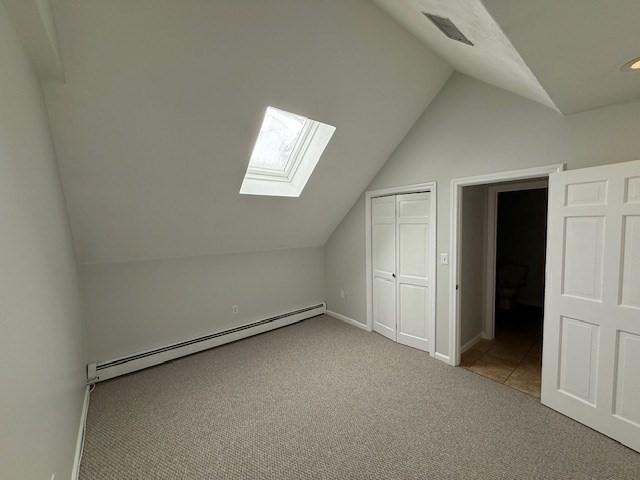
(492, 231)
(455, 215)
(417, 188)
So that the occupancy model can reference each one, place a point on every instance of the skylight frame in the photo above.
(301, 162)
(293, 162)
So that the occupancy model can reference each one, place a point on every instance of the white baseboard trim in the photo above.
(348, 320)
(75, 471)
(149, 358)
(442, 358)
(472, 342)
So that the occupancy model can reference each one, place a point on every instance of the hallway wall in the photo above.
(473, 262)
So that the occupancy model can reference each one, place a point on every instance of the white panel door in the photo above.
(383, 248)
(413, 269)
(591, 351)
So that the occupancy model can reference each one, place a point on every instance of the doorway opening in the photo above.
(475, 279)
(591, 295)
(504, 341)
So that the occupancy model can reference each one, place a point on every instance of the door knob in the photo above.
(393, 275)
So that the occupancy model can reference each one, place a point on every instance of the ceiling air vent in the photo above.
(447, 27)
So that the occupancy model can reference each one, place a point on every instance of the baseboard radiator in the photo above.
(98, 372)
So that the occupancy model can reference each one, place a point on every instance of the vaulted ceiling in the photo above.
(564, 54)
(157, 108)
(163, 100)
(492, 58)
(576, 48)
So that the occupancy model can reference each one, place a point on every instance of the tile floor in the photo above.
(514, 357)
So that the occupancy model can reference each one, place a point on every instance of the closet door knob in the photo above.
(393, 275)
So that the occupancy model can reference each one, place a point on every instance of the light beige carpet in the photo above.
(323, 400)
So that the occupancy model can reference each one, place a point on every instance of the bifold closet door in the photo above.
(400, 265)
(383, 252)
(413, 269)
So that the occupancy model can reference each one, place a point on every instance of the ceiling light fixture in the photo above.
(633, 65)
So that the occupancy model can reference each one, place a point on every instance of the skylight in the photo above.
(286, 152)
(277, 138)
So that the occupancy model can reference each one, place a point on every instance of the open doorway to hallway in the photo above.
(502, 287)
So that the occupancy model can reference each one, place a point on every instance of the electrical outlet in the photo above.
(341, 293)
(444, 258)
(234, 309)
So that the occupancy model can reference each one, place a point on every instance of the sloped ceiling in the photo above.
(34, 23)
(163, 100)
(492, 58)
(576, 47)
(564, 54)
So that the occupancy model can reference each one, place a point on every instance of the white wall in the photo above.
(344, 263)
(135, 306)
(154, 128)
(472, 128)
(41, 331)
(473, 262)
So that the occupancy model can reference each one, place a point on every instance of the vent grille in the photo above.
(447, 27)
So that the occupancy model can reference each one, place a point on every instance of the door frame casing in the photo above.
(455, 216)
(488, 329)
(416, 188)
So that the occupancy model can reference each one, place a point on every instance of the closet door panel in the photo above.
(412, 258)
(383, 243)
